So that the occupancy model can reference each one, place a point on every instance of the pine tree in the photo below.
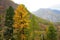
(21, 21)
(51, 33)
(8, 23)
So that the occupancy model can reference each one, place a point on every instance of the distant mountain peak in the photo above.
(49, 14)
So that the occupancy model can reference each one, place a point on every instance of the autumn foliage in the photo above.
(21, 17)
(21, 20)
(20, 24)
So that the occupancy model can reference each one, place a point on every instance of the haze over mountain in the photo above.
(56, 7)
(49, 14)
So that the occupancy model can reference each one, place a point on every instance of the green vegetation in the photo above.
(51, 33)
(18, 27)
(8, 34)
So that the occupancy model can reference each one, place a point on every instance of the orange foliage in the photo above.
(21, 17)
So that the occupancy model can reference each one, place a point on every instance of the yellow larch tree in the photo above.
(21, 21)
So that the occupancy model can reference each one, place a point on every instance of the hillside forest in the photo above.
(21, 24)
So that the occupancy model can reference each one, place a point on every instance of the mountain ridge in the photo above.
(48, 14)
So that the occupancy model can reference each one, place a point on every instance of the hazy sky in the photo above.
(33, 5)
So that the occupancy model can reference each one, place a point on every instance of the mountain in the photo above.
(34, 19)
(37, 24)
(48, 14)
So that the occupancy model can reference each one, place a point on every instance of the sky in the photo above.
(34, 5)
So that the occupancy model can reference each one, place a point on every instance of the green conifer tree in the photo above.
(51, 33)
(8, 23)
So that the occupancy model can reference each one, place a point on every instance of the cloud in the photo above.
(57, 7)
(34, 5)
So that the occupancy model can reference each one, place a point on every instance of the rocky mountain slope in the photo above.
(7, 3)
(49, 14)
